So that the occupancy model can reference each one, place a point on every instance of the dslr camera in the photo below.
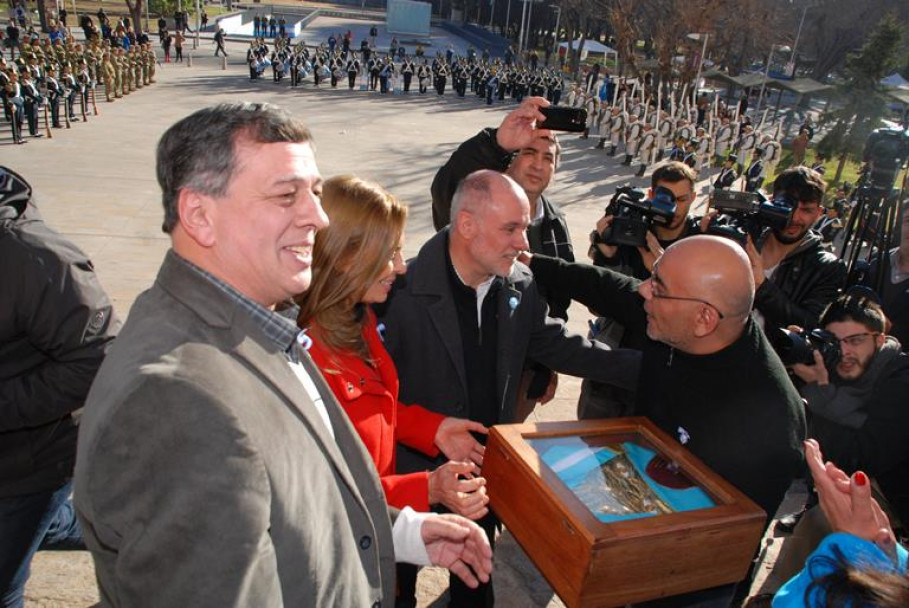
(748, 213)
(633, 214)
(795, 347)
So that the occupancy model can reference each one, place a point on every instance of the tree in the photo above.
(863, 102)
(135, 14)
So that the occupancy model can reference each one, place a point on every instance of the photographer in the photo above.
(857, 401)
(599, 400)
(794, 276)
(679, 179)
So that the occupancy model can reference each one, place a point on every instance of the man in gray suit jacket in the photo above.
(462, 321)
(214, 466)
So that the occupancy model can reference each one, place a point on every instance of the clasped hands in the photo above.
(457, 484)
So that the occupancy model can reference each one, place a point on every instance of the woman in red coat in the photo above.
(355, 262)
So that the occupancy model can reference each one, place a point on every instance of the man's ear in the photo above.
(196, 212)
(466, 224)
(706, 320)
(879, 340)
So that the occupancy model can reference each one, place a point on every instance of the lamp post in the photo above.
(521, 30)
(795, 45)
(555, 34)
(492, 11)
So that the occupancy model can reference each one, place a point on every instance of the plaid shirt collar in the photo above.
(278, 326)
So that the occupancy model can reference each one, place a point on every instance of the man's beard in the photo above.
(789, 240)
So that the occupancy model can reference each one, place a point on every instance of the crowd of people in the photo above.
(62, 75)
(343, 396)
(702, 132)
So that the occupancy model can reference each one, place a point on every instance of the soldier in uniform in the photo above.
(645, 150)
(151, 62)
(407, 72)
(32, 101)
(15, 104)
(441, 78)
(747, 142)
(723, 140)
(54, 92)
(684, 130)
(119, 84)
(665, 134)
(71, 85)
(690, 157)
(423, 76)
(703, 150)
(771, 151)
(353, 70)
(728, 173)
(754, 177)
(616, 129)
(632, 138)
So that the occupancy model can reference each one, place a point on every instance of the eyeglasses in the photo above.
(660, 296)
(856, 340)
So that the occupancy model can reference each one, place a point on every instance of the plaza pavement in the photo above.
(96, 184)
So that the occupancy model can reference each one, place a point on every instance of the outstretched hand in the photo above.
(454, 439)
(519, 128)
(460, 545)
(847, 501)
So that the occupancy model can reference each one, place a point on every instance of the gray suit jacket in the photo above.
(205, 476)
(423, 338)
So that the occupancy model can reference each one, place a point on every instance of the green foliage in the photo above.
(863, 104)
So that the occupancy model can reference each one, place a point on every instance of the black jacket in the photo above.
(802, 285)
(549, 236)
(880, 446)
(735, 409)
(423, 339)
(56, 324)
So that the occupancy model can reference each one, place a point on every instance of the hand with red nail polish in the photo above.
(847, 502)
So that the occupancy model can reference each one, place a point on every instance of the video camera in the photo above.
(748, 213)
(634, 214)
(795, 347)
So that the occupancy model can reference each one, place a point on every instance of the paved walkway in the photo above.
(96, 184)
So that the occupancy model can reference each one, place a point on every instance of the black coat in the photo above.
(423, 338)
(735, 409)
(549, 236)
(56, 324)
(880, 447)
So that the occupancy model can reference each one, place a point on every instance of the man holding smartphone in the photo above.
(530, 156)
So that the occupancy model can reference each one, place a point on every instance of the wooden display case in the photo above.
(616, 511)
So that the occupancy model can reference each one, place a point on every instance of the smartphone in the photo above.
(573, 120)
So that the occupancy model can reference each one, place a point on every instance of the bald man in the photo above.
(708, 375)
(460, 324)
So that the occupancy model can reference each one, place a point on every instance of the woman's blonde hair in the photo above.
(366, 224)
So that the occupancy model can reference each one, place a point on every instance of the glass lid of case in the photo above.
(619, 480)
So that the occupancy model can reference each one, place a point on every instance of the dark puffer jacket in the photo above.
(56, 324)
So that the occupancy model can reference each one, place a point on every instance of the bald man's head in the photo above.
(700, 294)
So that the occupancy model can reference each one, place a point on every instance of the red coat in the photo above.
(369, 395)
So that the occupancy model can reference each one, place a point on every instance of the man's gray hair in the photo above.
(474, 189)
(199, 152)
